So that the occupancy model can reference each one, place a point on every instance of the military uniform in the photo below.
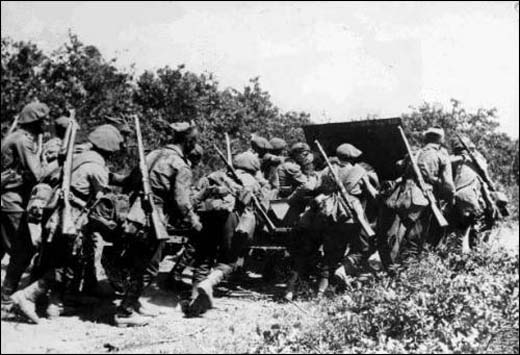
(228, 223)
(472, 211)
(408, 203)
(65, 254)
(272, 160)
(170, 180)
(21, 170)
(330, 223)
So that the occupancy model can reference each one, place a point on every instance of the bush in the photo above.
(443, 303)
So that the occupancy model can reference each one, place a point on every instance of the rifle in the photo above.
(484, 176)
(228, 148)
(428, 193)
(149, 204)
(258, 206)
(13, 125)
(358, 216)
(67, 224)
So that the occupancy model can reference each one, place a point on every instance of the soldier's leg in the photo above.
(220, 227)
(334, 245)
(7, 230)
(186, 259)
(22, 251)
(413, 242)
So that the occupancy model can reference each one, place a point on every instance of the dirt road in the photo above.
(237, 324)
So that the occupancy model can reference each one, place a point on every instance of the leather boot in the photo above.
(25, 300)
(291, 286)
(202, 296)
(322, 287)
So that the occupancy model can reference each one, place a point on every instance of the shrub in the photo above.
(442, 303)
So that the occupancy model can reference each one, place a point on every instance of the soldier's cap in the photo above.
(300, 147)
(35, 111)
(247, 161)
(434, 131)
(277, 143)
(260, 142)
(62, 122)
(121, 124)
(106, 137)
(181, 127)
(347, 151)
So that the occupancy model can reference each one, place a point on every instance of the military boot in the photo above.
(25, 300)
(322, 287)
(202, 297)
(130, 320)
(291, 286)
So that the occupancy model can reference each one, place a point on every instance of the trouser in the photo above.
(217, 245)
(186, 259)
(16, 241)
(139, 263)
(400, 238)
(344, 244)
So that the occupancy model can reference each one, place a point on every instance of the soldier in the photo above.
(64, 255)
(187, 254)
(474, 210)
(327, 222)
(21, 170)
(409, 203)
(340, 230)
(170, 179)
(272, 160)
(297, 171)
(222, 202)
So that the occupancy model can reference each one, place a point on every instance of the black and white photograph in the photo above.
(301, 177)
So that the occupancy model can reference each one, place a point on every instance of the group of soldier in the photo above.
(339, 212)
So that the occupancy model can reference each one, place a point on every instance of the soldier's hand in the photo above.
(197, 226)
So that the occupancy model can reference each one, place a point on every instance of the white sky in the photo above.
(337, 61)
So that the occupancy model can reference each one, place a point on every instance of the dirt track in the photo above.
(235, 325)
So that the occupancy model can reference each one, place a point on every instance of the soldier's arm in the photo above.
(29, 159)
(182, 185)
(98, 178)
(448, 186)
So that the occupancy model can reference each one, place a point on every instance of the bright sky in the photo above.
(337, 61)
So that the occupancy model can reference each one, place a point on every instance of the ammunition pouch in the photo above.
(107, 217)
(41, 194)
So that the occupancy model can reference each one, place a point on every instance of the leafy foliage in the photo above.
(76, 75)
(443, 303)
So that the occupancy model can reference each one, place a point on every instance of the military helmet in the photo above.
(277, 143)
(35, 111)
(298, 148)
(106, 137)
(347, 151)
(247, 161)
(260, 142)
(434, 131)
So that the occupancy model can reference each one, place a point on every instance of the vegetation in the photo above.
(443, 303)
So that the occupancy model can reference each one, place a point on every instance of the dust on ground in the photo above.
(236, 324)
